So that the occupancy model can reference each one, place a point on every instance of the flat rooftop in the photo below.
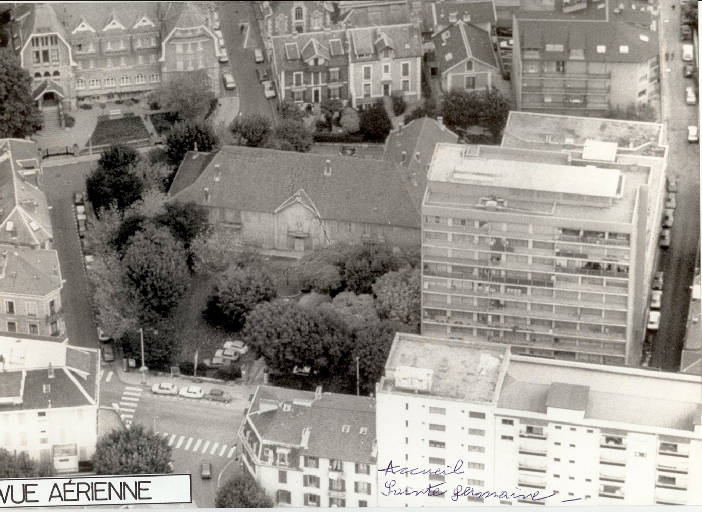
(623, 395)
(463, 370)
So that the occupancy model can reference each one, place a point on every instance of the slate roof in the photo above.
(369, 16)
(463, 41)
(98, 14)
(190, 168)
(420, 136)
(478, 12)
(406, 41)
(325, 418)
(28, 272)
(368, 191)
(22, 202)
(304, 46)
(10, 384)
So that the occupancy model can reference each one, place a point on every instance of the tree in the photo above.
(371, 346)
(495, 110)
(461, 109)
(184, 137)
(238, 293)
(189, 95)
(118, 156)
(133, 451)
(153, 172)
(288, 110)
(19, 465)
(127, 229)
(690, 13)
(294, 133)
(160, 345)
(113, 187)
(331, 108)
(398, 297)
(349, 120)
(643, 112)
(429, 109)
(356, 310)
(320, 277)
(254, 129)
(242, 491)
(113, 297)
(156, 267)
(367, 263)
(184, 220)
(19, 115)
(375, 124)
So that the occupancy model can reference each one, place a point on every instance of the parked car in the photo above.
(504, 31)
(108, 355)
(82, 228)
(690, 96)
(217, 395)
(672, 185)
(78, 198)
(688, 70)
(268, 89)
(164, 388)
(237, 346)
(668, 218)
(688, 52)
(664, 240)
(657, 281)
(220, 37)
(191, 392)
(670, 201)
(215, 20)
(302, 370)
(89, 258)
(685, 33)
(228, 80)
(693, 134)
(223, 57)
(656, 296)
(654, 320)
(217, 361)
(229, 354)
(206, 469)
(262, 74)
(258, 55)
(507, 44)
(80, 209)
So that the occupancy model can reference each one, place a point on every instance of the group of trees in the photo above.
(19, 116)
(19, 465)
(462, 109)
(256, 131)
(133, 451)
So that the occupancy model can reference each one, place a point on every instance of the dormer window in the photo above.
(445, 35)
(144, 22)
(286, 407)
(364, 431)
(345, 429)
(466, 17)
(453, 17)
(601, 49)
(624, 49)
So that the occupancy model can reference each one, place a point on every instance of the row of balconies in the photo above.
(542, 88)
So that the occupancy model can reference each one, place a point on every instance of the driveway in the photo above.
(241, 59)
(677, 262)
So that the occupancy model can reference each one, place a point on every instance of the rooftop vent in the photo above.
(416, 156)
(403, 158)
(364, 431)
(9, 226)
(345, 429)
(416, 379)
(318, 392)
(287, 407)
(51, 371)
(207, 194)
(327, 168)
(46, 388)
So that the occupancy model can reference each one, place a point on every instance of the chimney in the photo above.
(399, 127)
(207, 195)
(416, 156)
(49, 404)
(327, 168)
(305, 441)
(404, 157)
(51, 371)
(318, 393)
(195, 147)
(440, 120)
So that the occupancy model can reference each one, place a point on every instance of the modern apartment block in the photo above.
(311, 449)
(573, 431)
(549, 251)
(49, 400)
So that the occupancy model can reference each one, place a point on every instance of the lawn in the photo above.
(116, 131)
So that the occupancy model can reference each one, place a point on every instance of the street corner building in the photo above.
(49, 400)
(597, 434)
(311, 449)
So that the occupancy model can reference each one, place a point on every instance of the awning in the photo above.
(48, 85)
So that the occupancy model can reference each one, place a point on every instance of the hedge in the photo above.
(347, 138)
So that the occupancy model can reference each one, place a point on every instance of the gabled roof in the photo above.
(29, 272)
(420, 136)
(475, 12)
(460, 42)
(98, 15)
(330, 45)
(190, 168)
(113, 23)
(47, 85)
(375, 15)
(335, 423)
(383, 42)
(314, 49)
(405, 40)
(364, 191)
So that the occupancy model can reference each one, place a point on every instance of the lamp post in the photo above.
(143, 365)
(155, 418)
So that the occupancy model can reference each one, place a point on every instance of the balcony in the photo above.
(52, 317)
(570, 76)
(337, 494)
(532, 434)
(613, 460)
(614, 442)
(678, 466)
(532, 483)
(610, 477)
(530, 467)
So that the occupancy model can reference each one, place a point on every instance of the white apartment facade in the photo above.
(520, 426)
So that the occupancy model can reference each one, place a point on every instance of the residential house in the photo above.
(586, 66)
(101, 51)
(285, 18)
(312, 67)
(466, 59)
(480, 13)
(309, 200)
(24, 212)
(311, 449)
(531, 430)
(49, 400)
(379, 13)
(30, 289)
(383, 60)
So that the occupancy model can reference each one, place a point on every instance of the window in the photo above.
(437, 410)
(122, 61)
(297, 79)
(283, 497)
(54, 55)
(23, 438)
(109, 82)
(94, 83)
(537, 431)
(475, 465)
(362, 487)
(36, 57)
(476, 432)
(124, 80)
(669, 447)
(469, 65)
(334, 75)
(640, 454)
(155, 77)
(282, 477)
(507, 438)
(366, 72)
(311, 462)
(337, 502)
(477, 415)
(478, 449)
(478, 483)
(298, 96)
(666, 480)
(140, 79)
(386, 69)
(362, 504)
(152, 58)
(12, 326)
(362, 468)
(336, 465)
(10, 307)
(438, 478)
(437, 460)
(179, 47)
(109, 63)
(45, 55)
(507, 422)
(33, 329)
(560, 66)
(334, 92)
(310, 481)
(366, 90)
(298, 17)
(405, 68)
(433, 426)
(470, 83)
(337, 484)
(405, 85)
(436, 444)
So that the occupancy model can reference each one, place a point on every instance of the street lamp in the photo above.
(143, 365)
(155, 418)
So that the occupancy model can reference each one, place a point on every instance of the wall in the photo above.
(23, 319)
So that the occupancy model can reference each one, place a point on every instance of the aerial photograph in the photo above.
(368, 253)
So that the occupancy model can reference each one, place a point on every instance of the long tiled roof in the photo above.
(461, 41)
(28, 272)
(365, 191)
(10, 384)
(371, 15)
(325, 417)
(406, 40)
(476, 12)
(330, 45)
(98, 14)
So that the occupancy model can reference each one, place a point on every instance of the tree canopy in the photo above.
(184, 220)
(398, 297)
(288, 110)
(189, 95)
(19, 465)
(372, 345)
(365, 264)
(254, 129)
(242, 491)
(133, 451)
(113, 186)
(160, 344)
(295, 134)
(184, 137)
(19, 115)
(375, 123)
(461, 109)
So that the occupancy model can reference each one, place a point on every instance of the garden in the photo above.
(126, 129)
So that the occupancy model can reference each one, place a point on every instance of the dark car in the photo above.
(262, 74)
(688, 70)
(206, 470)
(685, 33)
(108, 355)
(217, 395)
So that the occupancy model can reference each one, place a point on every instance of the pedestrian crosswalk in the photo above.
(208, 448)
(128, 403)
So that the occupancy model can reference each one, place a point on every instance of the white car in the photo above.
(164, 388)
(220, 38)
(191, 392)
(507, 44)
(103, 336)
(228, 354)
(228, 80)
(268, 89)
(80, 209)
(693, 134)
(656, 296)
(223, 57)
(258, 55)
(236, 346)
(657, 281)
(688, 52)
(690, 96)
(654, 320)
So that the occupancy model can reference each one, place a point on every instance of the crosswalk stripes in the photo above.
(224, 450)
(128, 403)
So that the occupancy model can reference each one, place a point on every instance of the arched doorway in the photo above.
(50, 99)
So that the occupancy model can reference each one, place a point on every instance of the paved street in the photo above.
(678, 262)
(241, 60)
